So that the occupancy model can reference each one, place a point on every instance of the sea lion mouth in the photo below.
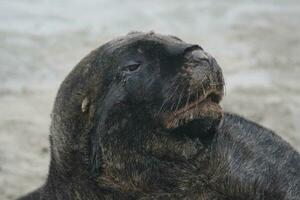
(210, 98)
(197, 107)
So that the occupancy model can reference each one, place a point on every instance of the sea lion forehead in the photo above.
(134, 39)
(156, 37)
(152, 36)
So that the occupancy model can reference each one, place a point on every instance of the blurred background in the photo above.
(256, 42)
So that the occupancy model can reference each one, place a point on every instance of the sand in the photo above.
(257, 43)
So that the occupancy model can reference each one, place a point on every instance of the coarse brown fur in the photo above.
(138, 118)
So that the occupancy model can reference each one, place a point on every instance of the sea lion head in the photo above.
(137, 107)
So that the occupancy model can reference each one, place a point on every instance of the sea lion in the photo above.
(139, 118)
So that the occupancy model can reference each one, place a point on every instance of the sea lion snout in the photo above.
(202, 83)
(204, 71)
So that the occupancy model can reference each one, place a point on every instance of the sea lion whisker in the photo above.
(203, 89)
(169, 98)
(173, 104)
(164, 103)
(188, 99)
(179, 100)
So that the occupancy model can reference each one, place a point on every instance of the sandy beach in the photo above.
(257, 44)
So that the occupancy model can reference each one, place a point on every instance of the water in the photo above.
(256, 42)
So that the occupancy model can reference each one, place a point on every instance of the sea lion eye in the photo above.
(133, 67)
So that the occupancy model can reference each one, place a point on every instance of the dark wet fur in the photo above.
(114, 145)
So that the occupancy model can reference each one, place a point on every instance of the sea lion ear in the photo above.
(85, 104)
(73, 114)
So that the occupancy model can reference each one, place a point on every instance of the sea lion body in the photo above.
(139, 118)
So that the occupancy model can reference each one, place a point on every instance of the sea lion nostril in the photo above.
(178, 50)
